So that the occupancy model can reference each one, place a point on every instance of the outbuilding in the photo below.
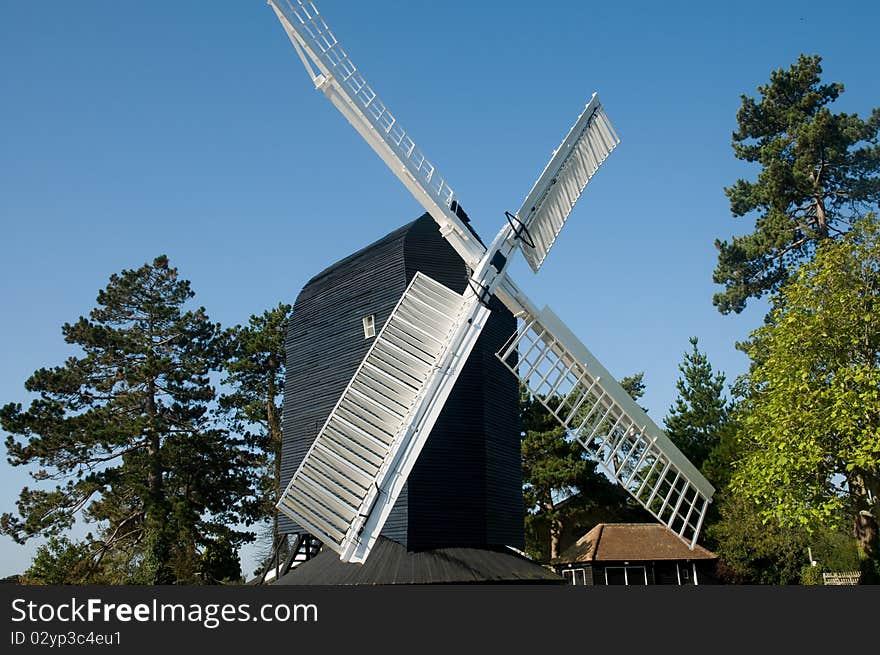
(635, 554)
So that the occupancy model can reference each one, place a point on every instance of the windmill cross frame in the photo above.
(350, 478)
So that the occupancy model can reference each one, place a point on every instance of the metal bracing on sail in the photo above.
(595, 410)
(348, 481)
(346, 87)
(547, 206)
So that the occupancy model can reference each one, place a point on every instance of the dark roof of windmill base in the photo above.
(391, 563)
(616, 542)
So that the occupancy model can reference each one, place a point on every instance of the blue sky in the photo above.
(190, 129)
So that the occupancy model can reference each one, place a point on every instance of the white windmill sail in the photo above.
(354, 471)
(344, 85)
(586, 399)
(547, 206)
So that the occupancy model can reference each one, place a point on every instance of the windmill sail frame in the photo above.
(345, 86)
(550, 201)
(331, 493)
(590, 404)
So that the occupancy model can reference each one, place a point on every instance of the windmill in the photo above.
(348, 481)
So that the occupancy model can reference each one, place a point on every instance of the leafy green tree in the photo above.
(255, 368)
(699, 414)
(811, 419)
(61, 561)
(754, 551)
(124, 430)
(819, 171)
(220, 563)
(834, 550)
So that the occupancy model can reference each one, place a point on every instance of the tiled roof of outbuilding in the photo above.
(616, 542)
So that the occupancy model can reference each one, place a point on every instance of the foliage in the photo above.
(699, 415)
(811, 575)
(810, 434)
(60, 561)
(124, 430)
(554, 468)
(718, 465)
(834, 550)
(634, 385)
(255, 368)
(219, 562)
(819, 170)
(753, 551)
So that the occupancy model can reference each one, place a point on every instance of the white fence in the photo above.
(841, 578)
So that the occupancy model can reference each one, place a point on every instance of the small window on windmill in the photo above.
(369, 326)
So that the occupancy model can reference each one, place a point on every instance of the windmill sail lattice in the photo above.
(345, 487)
(586, 400)
(546, 208)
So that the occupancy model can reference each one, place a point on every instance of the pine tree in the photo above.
(697, 418)
(555, 468)
(819, 172)
(255, 368)
(125, 429)
(634, 385)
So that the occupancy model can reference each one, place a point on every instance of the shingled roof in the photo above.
(391, 563)
(617, 542)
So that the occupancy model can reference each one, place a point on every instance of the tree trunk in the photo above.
(154, 473)
(158, 542)
(555, 531)
(865, 531)
(866, 534)
(554, 540)
(821, 217)
(274, 423)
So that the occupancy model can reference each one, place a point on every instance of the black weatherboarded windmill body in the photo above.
(462, 504)
(465, 487)
(441, 324)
